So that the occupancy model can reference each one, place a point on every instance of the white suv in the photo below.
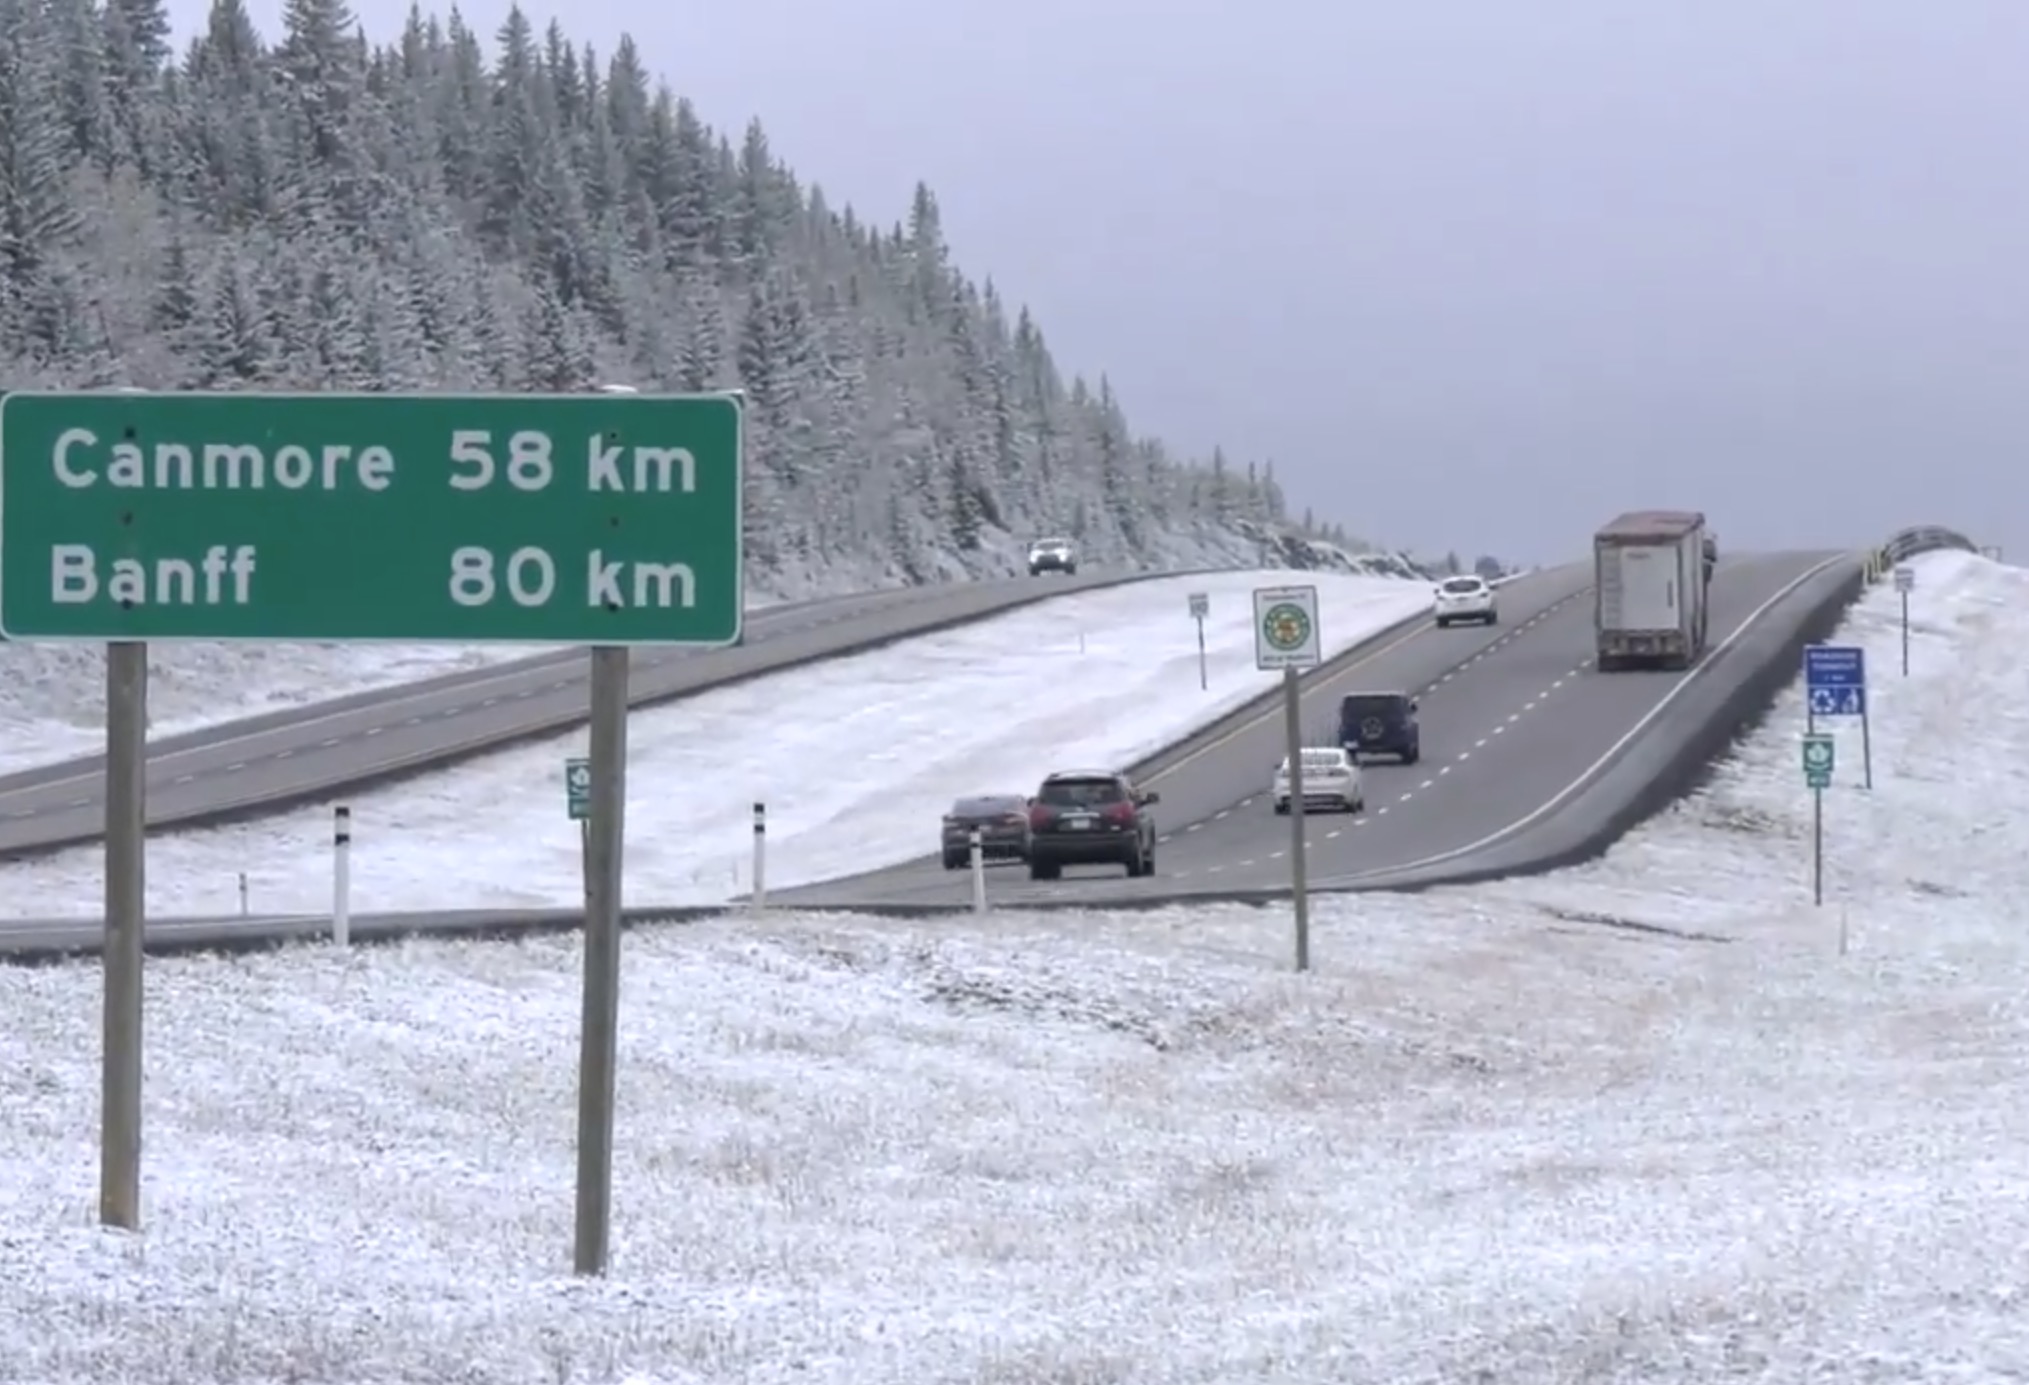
(1053, 555)
(1466, 598)
(1331, 779)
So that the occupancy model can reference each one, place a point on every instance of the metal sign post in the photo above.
(599, 1036)
(1286, 637)
(1835, 685)
(126, 913)
(1820, 755)
(1905, 583)
(1201, 605)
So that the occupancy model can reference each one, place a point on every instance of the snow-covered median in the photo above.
(1494, 1136)
(856, 758)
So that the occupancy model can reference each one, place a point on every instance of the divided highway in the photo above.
(1530, 757)
(269, 762)
(1514, 718)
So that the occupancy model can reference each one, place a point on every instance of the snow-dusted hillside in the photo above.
(1511, 1134)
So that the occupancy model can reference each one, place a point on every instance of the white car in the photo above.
(1053, 555)
(1331, 779)
(1466, 598)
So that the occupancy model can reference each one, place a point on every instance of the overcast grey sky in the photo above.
(1474, 275)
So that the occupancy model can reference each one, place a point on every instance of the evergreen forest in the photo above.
(515, 211)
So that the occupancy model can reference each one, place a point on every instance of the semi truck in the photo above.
(1652, 574)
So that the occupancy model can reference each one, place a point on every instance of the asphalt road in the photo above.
(1513, 716)
(267, 763)
(1522, 740)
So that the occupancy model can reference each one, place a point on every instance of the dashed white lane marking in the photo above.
(1513, 718)
(1381, 810)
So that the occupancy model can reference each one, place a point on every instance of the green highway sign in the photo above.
(1820, 755)
(578, 789)
(468, 519)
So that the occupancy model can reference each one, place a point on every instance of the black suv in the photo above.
(1090, 817)
(1381, 723)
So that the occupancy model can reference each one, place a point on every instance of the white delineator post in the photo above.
(978, 873)
(243, 894)
(760, 857)
(341, 875)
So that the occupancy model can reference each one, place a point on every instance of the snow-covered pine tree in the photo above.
(430, 209)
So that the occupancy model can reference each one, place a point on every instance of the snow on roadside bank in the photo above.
(1484, 1140)
(1073, 1147)
(1939, 827)
(856, 759)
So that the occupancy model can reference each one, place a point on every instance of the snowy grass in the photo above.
(856, 758)
(1075, 1148)
(1492, 1138)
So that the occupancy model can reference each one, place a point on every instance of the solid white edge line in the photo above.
(1593, 770)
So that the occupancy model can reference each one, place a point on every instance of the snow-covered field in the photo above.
(1485, 1141)
(856, 759)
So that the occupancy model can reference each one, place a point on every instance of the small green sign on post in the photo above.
(599, 519)
(1820, 755)
(578, 789)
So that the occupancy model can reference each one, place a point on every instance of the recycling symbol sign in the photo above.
(1286, 627)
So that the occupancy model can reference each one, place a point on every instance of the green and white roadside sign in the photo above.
(1820, 756)
(471, 519)
(578, 789)
(1286, 628)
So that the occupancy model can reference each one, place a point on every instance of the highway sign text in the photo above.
(1820, 755)
(1905, 579)
(1286, 628)
(578, 789)
(1835, 680)
(570, 519)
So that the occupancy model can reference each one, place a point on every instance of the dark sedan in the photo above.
(1003, 823)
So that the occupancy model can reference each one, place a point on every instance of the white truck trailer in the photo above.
(1651, 577)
